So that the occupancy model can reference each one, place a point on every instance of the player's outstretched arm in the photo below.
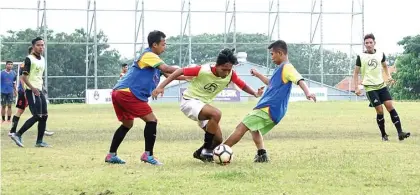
(180, 78)
(242, 85)
(263, 78)
(161, 87)
(308, 94)
(167, 69)
(251, 91)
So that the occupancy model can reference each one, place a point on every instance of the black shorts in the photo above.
(21, 102)
(378, 97)
(37, 104)
(6, 99)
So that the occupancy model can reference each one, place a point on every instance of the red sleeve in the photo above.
(238, 81)
(192, 71)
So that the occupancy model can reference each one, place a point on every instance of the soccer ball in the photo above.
(222, 154)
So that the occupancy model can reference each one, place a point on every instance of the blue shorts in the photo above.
(6, 99)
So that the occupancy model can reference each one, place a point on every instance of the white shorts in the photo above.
(192, 108)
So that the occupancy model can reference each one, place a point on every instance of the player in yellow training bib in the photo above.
(370, 64)
(207, 81)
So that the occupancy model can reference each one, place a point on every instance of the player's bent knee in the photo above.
(216, 114)
(128, 123)
(149, 118)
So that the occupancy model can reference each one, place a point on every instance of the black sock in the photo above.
(214, 145)
(15, 122)
(261, 152)
(42, 124)
(381, 123)
(208, 141)
(396, 120)
(3, 118)
(8, 118)
(150, 136)
(27, 125)
(118, 138)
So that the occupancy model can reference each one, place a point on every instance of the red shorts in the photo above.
(22, 102)
(128, 107)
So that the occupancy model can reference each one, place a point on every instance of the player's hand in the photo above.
(35, 91)
(260, 92)
(358, 92)
(254, 72)
(156, 92)
(15, 93)
(311, 96)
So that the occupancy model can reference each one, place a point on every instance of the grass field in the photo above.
(322, 148)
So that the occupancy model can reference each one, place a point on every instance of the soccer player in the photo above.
(370, 64)
(272, 106)
(8, 90)
(130, 97)
(32, 73)
(124, 68)
(207, 82)
(22, 102)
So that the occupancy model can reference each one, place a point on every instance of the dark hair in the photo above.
(369, 36)
(29, 49)
(225, 56)
(123, 65)
(155, 37)
(9, 62)
(279, 45)
(35, 40)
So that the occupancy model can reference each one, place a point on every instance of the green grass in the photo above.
(322, 148)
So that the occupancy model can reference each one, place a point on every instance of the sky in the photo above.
(388, 20)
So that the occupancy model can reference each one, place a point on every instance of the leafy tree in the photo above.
(408, 70)
(66, 60)
(334, 62)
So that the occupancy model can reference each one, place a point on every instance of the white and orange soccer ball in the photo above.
(222, 154)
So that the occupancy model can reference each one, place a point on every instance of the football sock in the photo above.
(42, 124)
(396, 120)
(261, 152)
(8, 118)
(214, 145)
(15, 122)
(381, 123)
(118, 138)
(150, 136)
(28, 124)
(3, 118)
(208, 141)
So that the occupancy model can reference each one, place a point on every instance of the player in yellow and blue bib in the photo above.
(130, 98)
(273, 104)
